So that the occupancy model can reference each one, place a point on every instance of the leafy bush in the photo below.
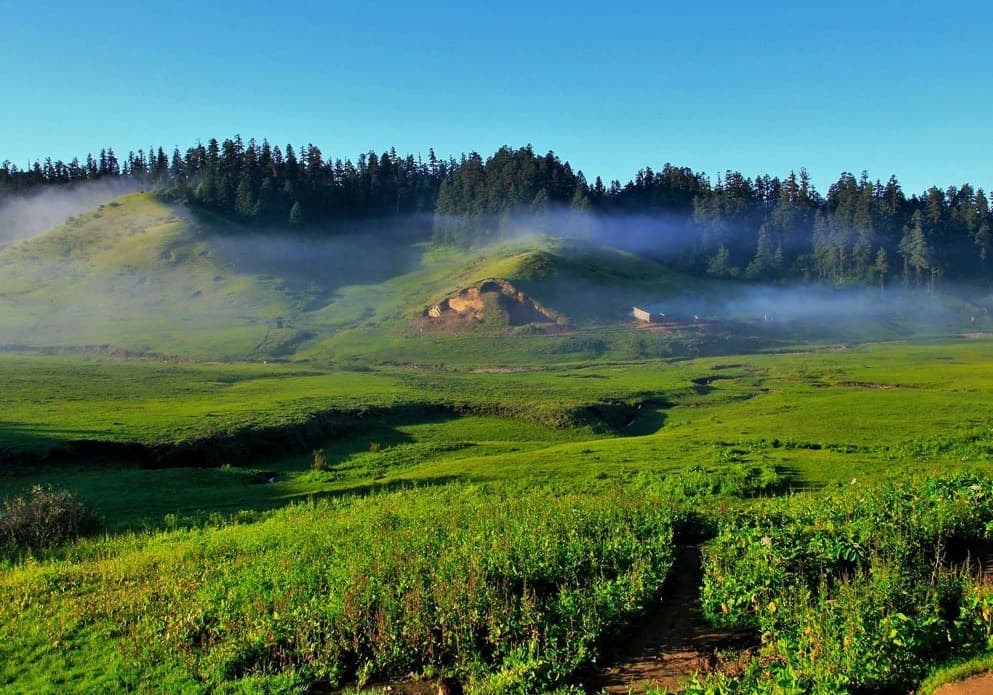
(514, 589)
(683, 491)
(44, 517)
(853, 589)
(788, 542)
(320, 461)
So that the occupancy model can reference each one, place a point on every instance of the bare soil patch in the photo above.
(473, 305)
(976, 685)
(410, 686)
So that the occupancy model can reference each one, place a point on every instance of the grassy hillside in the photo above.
(144, 276)
(136, 274)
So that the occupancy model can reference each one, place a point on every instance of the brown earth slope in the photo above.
(475, 304)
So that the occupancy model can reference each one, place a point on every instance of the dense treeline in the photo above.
(260, 183)
(861, 232)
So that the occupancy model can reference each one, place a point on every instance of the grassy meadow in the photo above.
(302, 485)
(664, 440)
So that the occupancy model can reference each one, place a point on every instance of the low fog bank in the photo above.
(824, 308)
(668, 238)
(656, 235)
(319, 261)
(23, 216)
(659, 234)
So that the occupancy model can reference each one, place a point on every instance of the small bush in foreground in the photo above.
(44, 517)
(320, 461)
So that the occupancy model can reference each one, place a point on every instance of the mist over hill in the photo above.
(43, 207)
(145, 275)
(777, 229)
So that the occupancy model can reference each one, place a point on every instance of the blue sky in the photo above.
(893, 88)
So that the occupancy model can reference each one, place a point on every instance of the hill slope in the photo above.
(139, 274)
(142, 275)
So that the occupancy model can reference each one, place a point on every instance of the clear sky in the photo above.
(890, 87)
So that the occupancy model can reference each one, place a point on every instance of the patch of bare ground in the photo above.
(473, 304)
(683, 326)
(495, 302)
(975, 685)
(674, 641)
(870, 385)
(414, 686)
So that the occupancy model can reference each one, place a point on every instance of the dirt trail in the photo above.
(671, 644)
(976, 685)
(674, 641)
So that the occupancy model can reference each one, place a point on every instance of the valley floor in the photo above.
(206, 475)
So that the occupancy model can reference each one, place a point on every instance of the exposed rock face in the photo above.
(468, 302)
(472, 303)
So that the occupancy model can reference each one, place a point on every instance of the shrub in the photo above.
(858, 589)
(44, 517)
(320, 461)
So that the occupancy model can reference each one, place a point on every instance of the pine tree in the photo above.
(915, 251)
(982, 236)
(763, 264)
(580, 198)
(881, 267)
(113, 167)
(296, 214)
(244, 202)
(719, 265)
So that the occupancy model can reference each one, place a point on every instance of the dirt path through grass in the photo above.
(976, 685)
(674, 641)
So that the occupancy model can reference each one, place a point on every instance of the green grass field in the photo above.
(493, 502)
(879, 411)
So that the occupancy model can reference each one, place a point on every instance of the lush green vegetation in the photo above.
(868, 589)
(259, 475)
(708, 429)
(519, 585)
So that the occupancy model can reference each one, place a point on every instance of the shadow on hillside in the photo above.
(380, 434)
(649, 419)
(340, 435)
(793, 480)
(318, 264)
(25, 444)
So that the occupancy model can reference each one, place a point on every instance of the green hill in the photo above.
(141, 275)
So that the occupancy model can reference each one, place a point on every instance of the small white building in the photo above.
(647, 316)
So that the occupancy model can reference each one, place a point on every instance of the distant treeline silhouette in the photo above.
(862, 231)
